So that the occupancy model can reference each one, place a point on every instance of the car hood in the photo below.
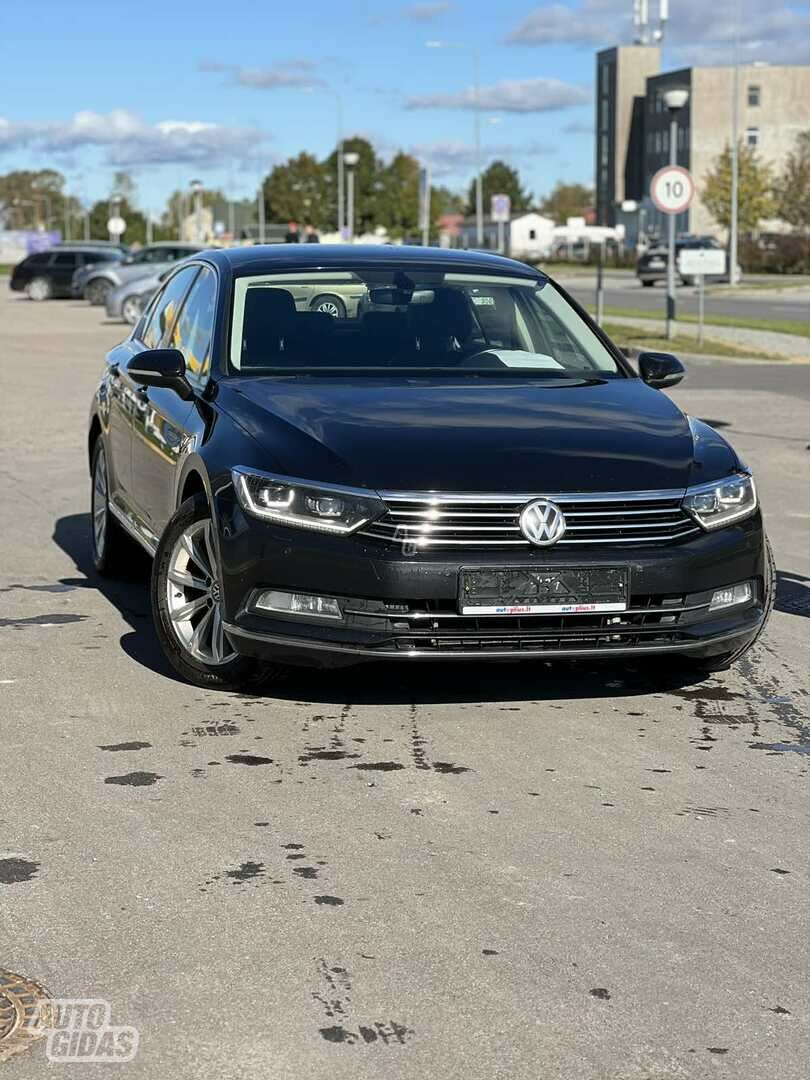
(418, 435)
(138, 285)
(125, 274)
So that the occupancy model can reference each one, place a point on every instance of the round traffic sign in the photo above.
(672, 189)
(116, 226)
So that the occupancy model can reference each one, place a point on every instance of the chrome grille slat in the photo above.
(436, 520)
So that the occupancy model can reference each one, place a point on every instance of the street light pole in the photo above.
(674, 101)
(733, 227)
(197, 189)
(350, 160)
(261, 209)
(479, 189)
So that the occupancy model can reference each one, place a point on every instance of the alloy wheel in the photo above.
(131, 310)
(194, 597)
(99, 504)
(329, 307)
(39, 289)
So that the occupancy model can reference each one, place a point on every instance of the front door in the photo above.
(62, 268)
(158, 415)
(176, 426)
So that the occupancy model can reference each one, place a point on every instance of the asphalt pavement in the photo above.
(625, 291)
(518, 871)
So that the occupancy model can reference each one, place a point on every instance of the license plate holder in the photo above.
(543, 590)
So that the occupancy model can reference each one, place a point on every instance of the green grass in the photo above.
(578, 269)
(744, 322)
(632, 336)
(6, 268)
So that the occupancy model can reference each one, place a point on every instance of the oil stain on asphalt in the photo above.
(126, 746)
(14, 870)
(134, 779)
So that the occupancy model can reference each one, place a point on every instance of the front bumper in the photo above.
(113, 304)
(399, 607)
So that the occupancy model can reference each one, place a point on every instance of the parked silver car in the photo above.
(128, 301)
(94, 283)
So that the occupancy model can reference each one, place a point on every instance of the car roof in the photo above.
(261, 258)
(57, 249)
(172, 244)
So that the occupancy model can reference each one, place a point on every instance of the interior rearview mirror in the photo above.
(161, 367)
(389, 296)
(660, 369)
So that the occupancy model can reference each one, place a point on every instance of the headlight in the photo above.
(722, 501)
(305, 505)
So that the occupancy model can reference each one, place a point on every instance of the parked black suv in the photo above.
(466, 467)
(48, 274)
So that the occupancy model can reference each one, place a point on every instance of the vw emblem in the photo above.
(542, 522)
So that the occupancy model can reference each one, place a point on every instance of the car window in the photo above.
(66, 258)
(391, 318)
(41, 259)
(164, 310)
(194, 329)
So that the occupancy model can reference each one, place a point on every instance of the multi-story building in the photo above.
(773, 107)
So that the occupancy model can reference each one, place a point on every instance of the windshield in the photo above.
(426, 322)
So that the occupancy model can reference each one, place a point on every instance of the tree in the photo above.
(444, 201)
(297, 191)
(755, 199)
(567, 200)
(397, 196)
(500, 179)
(124, 185)
(367, 184)
(793, 186)
(100, 214)
(181, 203)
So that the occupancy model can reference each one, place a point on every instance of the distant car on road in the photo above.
(652, 265)
(48, 274)
(94, 284)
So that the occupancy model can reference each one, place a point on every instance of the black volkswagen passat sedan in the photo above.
(461, 466)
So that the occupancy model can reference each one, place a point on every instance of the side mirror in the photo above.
(161, 367)
(660, 369)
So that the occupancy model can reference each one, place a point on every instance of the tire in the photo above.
(725, 660)
(96, 291)
(39, 289)
(186, 609)
(648, 284)
(131, 310)
(113, 550)
(330, 304)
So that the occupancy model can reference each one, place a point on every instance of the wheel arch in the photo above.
(193, 480)
(93, 436)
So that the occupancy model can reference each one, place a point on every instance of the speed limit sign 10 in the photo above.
(672, 189)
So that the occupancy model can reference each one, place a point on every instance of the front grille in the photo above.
(435, 626)
(452, 521)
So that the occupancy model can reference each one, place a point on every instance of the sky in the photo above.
(172, 91)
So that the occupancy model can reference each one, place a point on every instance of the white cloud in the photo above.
(453, 157)
(558, 24)
(697, 33)
(578, 127)
(129, 140)
(513, 96)
(297, 74)
(427, 12)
